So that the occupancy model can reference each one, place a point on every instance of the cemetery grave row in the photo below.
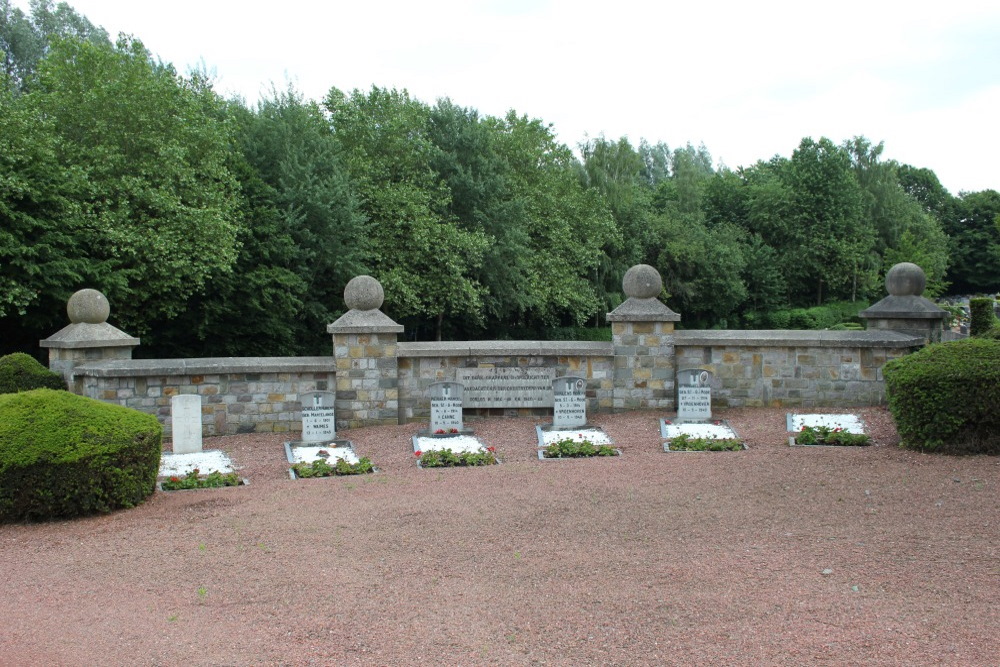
(448, 442)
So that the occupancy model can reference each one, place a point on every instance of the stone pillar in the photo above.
(642, 334)
(905, 309)
(364, 346)
(87, 338)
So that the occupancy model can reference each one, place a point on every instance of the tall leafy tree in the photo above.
(425, 261)
(974, 230)
(159, 205)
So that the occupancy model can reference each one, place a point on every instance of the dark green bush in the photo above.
(21, 372)
(63, 455)
(946, 397)
(981, 317)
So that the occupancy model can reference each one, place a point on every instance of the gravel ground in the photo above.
(771, 556)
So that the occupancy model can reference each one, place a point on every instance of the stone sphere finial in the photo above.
(642, 281)
(88, 306)
(905, 279)
(364, 293)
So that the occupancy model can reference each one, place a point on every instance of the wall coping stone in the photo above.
(206, 366)
(796, 338)
(507, 348)
(364, 322)
(89, 335)
(907, 307)
(642, 310)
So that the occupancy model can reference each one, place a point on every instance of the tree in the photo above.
(158, 209)
(975, 242)
(24, 40)
(425, 261)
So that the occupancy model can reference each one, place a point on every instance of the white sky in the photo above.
(747, 79)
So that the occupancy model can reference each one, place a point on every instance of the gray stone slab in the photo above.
(694, 394)
(446, 406)
(318, 420)
(507, 387)
(569, 409)
(790, 338)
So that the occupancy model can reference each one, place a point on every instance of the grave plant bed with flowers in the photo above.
(194, 480)
(571, 448)
(446, 458)
(828, 436)
(322, 468)
(687, 443)
(331, 459)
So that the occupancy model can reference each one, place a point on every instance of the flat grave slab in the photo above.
(212, 460)
(848, 421)
(714, 430)
(595, 434)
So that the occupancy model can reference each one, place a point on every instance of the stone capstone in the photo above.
(905, 279)
(364, 293)
(88, 306)
(642, 281)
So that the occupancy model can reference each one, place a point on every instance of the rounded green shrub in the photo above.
(63, 455)
(946, 397)
(21, 372)
(981, 317)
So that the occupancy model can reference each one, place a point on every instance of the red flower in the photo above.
(491, 449)
(667, 421)
(453, 430)
(440, 431)
(175, 479)
(417, 453)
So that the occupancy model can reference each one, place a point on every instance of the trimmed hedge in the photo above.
(63, 455)
(21, 372)
(981, 317)
(946, 397)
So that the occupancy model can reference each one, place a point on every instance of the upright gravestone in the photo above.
(185, 423)
(446, 406)
(318, 424)
(569, 403)
(694, 394)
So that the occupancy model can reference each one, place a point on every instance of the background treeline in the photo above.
(217, 228)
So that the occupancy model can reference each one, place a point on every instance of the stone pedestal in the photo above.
(905, 309)
(642, 334)
(87, 338)
(364, 347)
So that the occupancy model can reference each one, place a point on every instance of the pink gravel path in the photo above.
(772, 556)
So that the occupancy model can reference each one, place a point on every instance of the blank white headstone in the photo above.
(446, 406)
(318, 422)
(569, 402)
(185, 423)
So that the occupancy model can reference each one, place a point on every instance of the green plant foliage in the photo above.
(981, 316)
(827, 435)
(63, 455)
(21, 372)
(445, 458)
(193, 480)
(685, 443)
(946, 397)
(321, 468)
(570, 448)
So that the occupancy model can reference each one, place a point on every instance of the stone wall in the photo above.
(422, 364)
(239, 395)
(793, 368)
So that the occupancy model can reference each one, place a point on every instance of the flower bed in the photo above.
(194, 480)
(812, 436)
(575, 448)
(686, 443)
(446, 458)
(322, 468)
(332, 459)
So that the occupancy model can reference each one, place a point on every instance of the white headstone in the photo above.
(185, 423)
(569, 402)
(446, 406)
(318, 422)
(694, 394)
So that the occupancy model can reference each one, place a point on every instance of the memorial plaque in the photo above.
(694, 394)
(185, 423)
(318, 423)
(446, 406)
(569, 398)
(507, 387)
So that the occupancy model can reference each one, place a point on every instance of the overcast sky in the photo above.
(747, 79)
